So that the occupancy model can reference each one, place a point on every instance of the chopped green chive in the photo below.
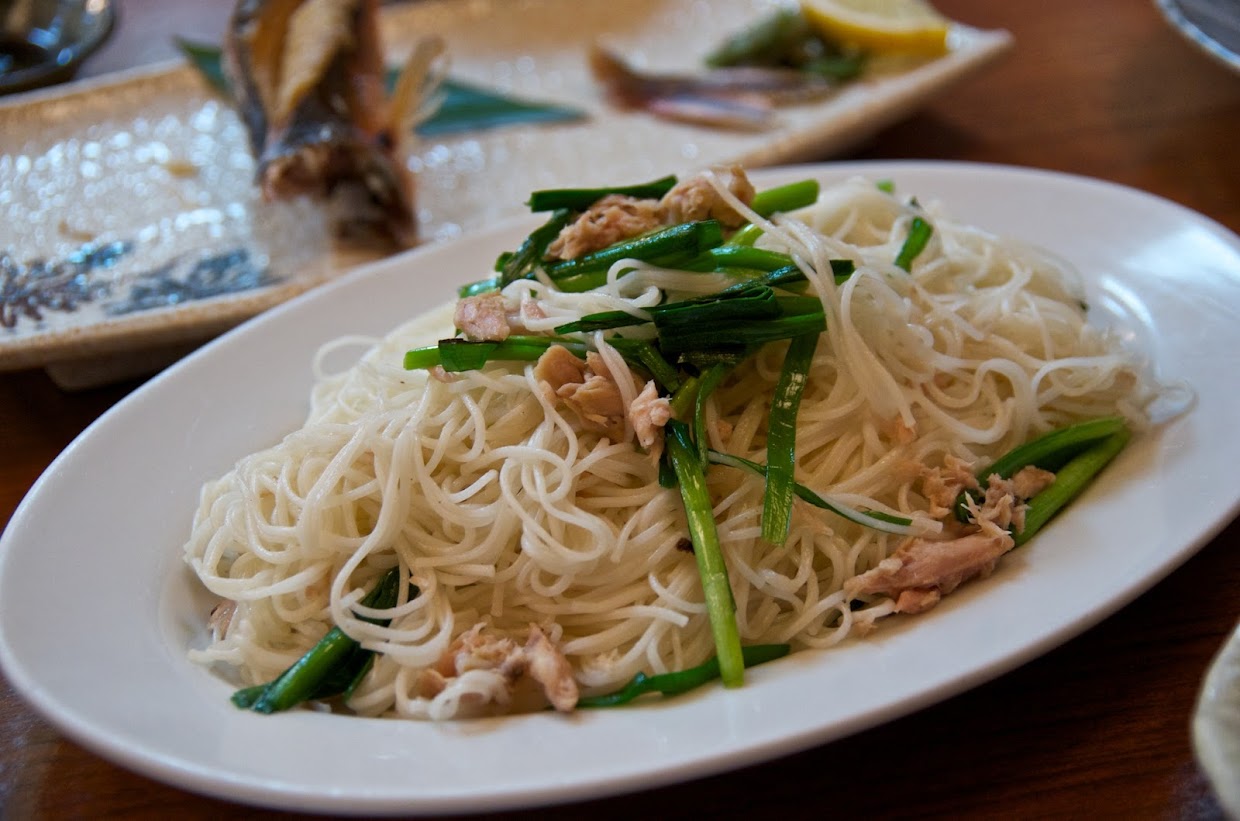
(739, 256)
(781, 438)
(332, 667)
(579, 199)
(521, 264)
(918, 236)
(1070, 481)
(603, 321)
(785, 198)
(675, 243)
(798, 316)
(455, 355)
(645, 355)
(1048, 451)
(874, 519)
(746, 235)
(482, 286)
(710, 380)
(720, 606)
(682, 681)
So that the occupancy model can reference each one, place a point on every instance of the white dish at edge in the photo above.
(1216, 724)
(1211, 26)
(99, 608)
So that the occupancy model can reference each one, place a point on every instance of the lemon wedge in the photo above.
(880, 26)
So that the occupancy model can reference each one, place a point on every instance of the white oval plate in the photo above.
(99, 609)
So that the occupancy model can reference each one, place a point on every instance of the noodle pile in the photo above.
(505, 513)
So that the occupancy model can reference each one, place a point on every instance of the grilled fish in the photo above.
(309, 81)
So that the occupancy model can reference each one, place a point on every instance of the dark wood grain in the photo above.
(1096, 728)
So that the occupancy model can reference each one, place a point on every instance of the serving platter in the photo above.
(129, 221)
(114, 597)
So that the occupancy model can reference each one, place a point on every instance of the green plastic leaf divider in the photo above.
(465, 107)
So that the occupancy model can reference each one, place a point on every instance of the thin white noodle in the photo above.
(487, 492)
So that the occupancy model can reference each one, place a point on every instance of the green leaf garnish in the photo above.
(465, 107)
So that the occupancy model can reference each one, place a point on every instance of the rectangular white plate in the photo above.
(129, 221)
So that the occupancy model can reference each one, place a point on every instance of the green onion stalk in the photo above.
(720, 606)
(334, 666)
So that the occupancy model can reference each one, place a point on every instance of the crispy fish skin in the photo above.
(308, 80)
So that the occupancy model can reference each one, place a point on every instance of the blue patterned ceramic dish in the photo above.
(129, 218)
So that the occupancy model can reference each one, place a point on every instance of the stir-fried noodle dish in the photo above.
(682, 429)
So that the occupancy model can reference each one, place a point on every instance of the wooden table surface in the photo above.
(1096, 728)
